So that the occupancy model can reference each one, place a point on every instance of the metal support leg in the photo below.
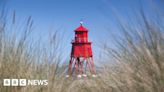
(93, 67)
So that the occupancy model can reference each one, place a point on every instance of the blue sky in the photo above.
(65, 15)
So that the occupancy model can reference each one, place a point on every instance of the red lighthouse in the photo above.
(81, 55)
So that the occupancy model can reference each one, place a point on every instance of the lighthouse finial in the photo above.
(81, 22)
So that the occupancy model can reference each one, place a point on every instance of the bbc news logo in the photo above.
(24, 82)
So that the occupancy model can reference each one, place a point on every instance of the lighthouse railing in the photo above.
(79, 40)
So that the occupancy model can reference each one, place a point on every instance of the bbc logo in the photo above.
(14, 82)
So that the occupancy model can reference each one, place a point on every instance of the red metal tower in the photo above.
(81, 55)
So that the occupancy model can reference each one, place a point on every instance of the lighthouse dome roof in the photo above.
(81, 28)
